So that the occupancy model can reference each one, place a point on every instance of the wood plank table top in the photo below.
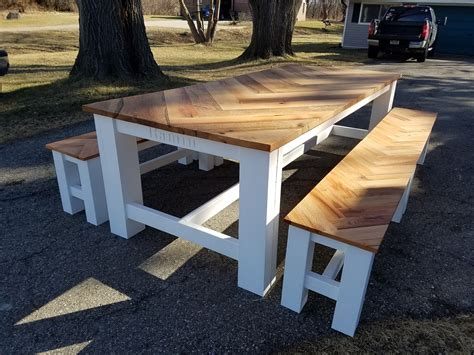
(356, 201)
(261, 110)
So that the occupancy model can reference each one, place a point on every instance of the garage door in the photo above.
(457, 37)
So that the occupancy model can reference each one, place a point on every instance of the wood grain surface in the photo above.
(262, 110)
(356, 201)
(83, 147)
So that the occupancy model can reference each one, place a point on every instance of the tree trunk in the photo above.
(273, 26)
(197, 29)
(344, 10)
(113, 41)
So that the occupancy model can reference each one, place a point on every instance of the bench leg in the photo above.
(218, 161)
(382, 105)
(421, 160)
(402, 205)
(206, 162)
(186, 160)
(298, 262)
(67, 175)
(354, 279)
(92, 186)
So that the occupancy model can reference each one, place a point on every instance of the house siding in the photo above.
(355, 34)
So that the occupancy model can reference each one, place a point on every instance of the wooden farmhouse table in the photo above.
(263, 120)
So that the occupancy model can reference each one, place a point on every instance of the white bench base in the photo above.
(81, 184)
(356, 265)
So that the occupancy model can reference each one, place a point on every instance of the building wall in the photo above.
(355, 34)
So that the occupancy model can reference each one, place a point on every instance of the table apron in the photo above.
(294, 144)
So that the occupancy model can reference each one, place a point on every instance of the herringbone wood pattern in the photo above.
(83, 147)
(262, 110)
(356, 201)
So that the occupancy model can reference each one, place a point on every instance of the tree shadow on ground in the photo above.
(36, 109)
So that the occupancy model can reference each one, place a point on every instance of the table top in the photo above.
(262, 110)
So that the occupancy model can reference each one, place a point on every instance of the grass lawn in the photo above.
(35, 19)
(37, 94)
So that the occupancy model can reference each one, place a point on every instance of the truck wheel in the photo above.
(422, 57)
(373, 52)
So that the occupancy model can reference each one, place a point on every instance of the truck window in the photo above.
(408, 14)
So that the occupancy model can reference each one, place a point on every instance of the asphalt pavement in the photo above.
(65, 284)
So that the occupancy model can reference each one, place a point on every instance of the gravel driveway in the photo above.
(67, 284)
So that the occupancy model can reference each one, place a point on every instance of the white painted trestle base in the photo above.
(258, 191)
(349, 292)
(81, 184)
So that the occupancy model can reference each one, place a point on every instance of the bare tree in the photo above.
(200, 34)
(273, 26)
(113, 41)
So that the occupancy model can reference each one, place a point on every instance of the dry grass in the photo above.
(438, 336)
(34, 19)
(38, 96)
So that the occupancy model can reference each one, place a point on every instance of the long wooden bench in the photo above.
(79, 172)
(350, 211)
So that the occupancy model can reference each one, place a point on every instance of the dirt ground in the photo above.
(72, 286)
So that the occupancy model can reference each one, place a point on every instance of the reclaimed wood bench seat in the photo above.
(350, 211)
(79, 173)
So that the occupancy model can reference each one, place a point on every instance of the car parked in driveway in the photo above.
(404, 29)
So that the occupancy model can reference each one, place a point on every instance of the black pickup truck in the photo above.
(404, 29)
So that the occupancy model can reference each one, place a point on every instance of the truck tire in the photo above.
(422, 57)
(373, 52)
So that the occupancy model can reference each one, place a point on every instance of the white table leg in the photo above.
(260, 189)
(354, 279)
(382, 105)
(121, 171)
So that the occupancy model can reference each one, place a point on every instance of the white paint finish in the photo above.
(163, 160)
(208, 238)
(93, 192)
(299, 258)
(213, 207)
(299, 151)
(76, 191)
(67, 175)
(328, 124)
(322, 285)
(402, 205)
(382, 106)
(354, 279)
(328, 242)
(187, 159)
(146, 145)
(422, 158)
(218, 161)
(260, 190)
(349, 132)
(206, 162)
(335, 265)
(121, 171)
(180, 140)
(324, 134)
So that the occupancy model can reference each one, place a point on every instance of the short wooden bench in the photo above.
(350, 211)
(79, 172)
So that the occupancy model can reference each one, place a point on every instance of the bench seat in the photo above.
(357, 200)
(350, 210)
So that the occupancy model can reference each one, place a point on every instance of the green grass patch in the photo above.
(37, 19)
